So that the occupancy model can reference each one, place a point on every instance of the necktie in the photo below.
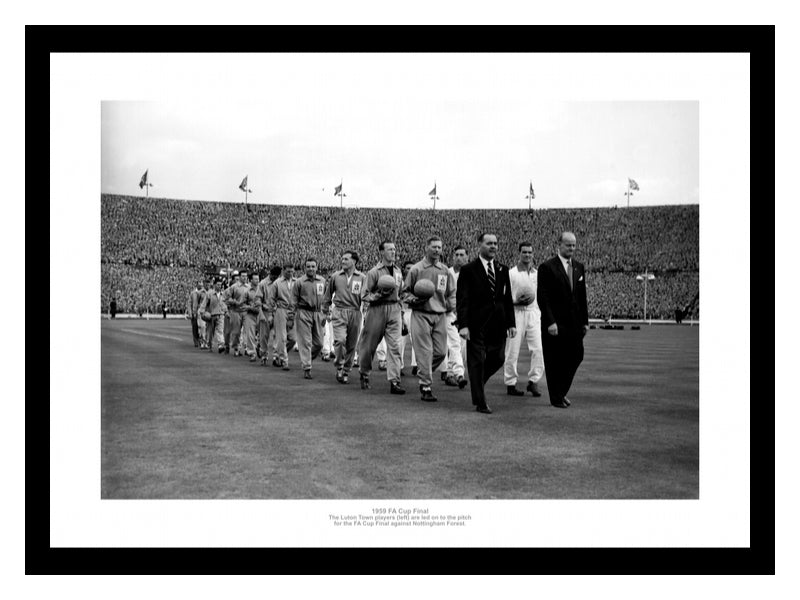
(491, 276)
(569, 273)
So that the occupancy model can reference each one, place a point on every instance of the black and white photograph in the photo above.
(416, 294)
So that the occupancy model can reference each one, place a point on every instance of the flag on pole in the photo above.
(243, 185)
(531, 192)
(143, 180)
(632, 184)
(338, 190)
(433, 191)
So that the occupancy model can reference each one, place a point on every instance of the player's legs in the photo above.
(281, 323)
(354, 320)
(421, 330)
(533, 333)
(392, 335)
(304, 322)
(374, 326)
(512, 349)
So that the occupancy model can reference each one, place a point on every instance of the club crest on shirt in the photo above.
(356, 287)
(441, 282)
(320, 287)
(399, 279)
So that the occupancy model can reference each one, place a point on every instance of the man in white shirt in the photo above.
(528, 319)
(453, 367)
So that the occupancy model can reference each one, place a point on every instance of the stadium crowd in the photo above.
(153, 250)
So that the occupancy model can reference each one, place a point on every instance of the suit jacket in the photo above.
(487, 317)
(559, 304)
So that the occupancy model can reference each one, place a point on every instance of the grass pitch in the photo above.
(178, 422)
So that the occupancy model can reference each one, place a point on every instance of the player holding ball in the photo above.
(430, 291)
(383, 318)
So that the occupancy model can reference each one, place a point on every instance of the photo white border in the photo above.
(720, 518)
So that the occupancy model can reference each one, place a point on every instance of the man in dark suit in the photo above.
(485, 315)
(561, 292)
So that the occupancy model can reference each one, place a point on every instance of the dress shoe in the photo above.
(561, 405)
(451, 381)
(566, 401)
(414, 370)
(484, 409)
(284, 365)
(427, 394)
(221, 349)
(512, 390)
(339, 376)
(533, 389)
(345, 378)
(307, 374)
(325, 357)
(276, 362)
(263, 361)
(394, 388)
(364, 381)
(444, 376)
(253, 358)
(462, 382)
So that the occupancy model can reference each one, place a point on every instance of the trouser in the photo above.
(529, 328)
(456, 348)
(562, 356)
(283, 334)
(484, 358)
(215, 331)
(361, 334)
(227, 329)
(236, 329)
(310, 325)
(407, 338)
(327, 339)
(249, 329)
(380, 351)
(263, 337)
(381, 320)
(429, 340)
(346, 325)
(195, 332)
(201, 331)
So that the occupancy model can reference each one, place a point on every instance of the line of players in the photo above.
(366, 315)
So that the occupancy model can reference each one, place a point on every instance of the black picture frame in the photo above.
(756, 41)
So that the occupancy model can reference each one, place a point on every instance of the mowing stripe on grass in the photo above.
(158, 335)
